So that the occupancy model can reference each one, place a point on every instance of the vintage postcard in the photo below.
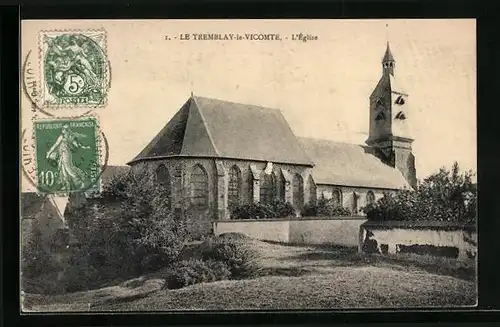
(187, 165)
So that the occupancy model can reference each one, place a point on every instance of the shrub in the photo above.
(309, 210)
(282, 209)
(324, 207)
(236, 254)
(277, 209)
(443, 196)
(252, 211)
(194, 271)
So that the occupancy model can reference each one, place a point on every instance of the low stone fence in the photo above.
(342, 231)
(434, 238)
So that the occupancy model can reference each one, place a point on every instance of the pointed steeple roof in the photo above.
(388, 54)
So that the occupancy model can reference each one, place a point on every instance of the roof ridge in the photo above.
(329, 140)
(237, 103)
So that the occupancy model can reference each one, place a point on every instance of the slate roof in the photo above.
(388, 54)
(347, 164)
(206, 127)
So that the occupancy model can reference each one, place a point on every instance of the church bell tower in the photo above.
(389, 134)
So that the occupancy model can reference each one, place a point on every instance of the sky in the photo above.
(322, 86)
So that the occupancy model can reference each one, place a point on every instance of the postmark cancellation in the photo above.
(74, 68)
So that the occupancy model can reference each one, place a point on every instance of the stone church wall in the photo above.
(218, 180)
(347, 195)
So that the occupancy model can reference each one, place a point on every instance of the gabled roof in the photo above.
(347, 164)
(205, 127)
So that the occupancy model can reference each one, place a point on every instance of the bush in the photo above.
(283, 209)
(252, 211)
(324, 207)
(443, 196)
(277, 209)
(129, 231)
(194, 271)
(237, 255)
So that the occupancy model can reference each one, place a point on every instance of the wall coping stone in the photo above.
(292, 219)
(431, 224)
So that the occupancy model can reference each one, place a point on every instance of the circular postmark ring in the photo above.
(35, 89)
(30, 153)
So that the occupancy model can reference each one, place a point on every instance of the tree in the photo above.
(127, 231)
(447, 195)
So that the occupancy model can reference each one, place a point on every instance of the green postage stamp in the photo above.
(67, 155)
(74, 68)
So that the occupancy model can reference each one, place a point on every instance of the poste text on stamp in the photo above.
(74, 68)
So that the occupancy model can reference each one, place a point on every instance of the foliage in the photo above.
(277, 209)
(194, 271)
(443, 196)
(324, 207)
(129, 231)
(238, 256)
(282, 209)
(36, 260)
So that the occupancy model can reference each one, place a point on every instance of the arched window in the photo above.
(163, 178)
(199, 187)
(354, 203)
(298, 191)
(337, 197)
(234, 187)
(380, 116)
(370, 197)
(267, 188)
(312, 190)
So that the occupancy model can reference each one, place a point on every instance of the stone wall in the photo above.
(341, 231)
(441, 239)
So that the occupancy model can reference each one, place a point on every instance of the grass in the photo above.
(291, 277)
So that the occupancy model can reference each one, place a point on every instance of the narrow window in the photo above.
(298, 191)
(267, 188)
(337, 197)
(400, 100)
(354, 203)
(312, 191)
(370, 197)
(199, 187)
(163, 178)
(380, 116)
(234, 187)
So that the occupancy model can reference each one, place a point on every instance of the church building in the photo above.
(215, 153)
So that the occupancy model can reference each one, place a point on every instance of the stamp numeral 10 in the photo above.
(46, 178)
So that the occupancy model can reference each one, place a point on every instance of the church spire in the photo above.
(388, 62)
